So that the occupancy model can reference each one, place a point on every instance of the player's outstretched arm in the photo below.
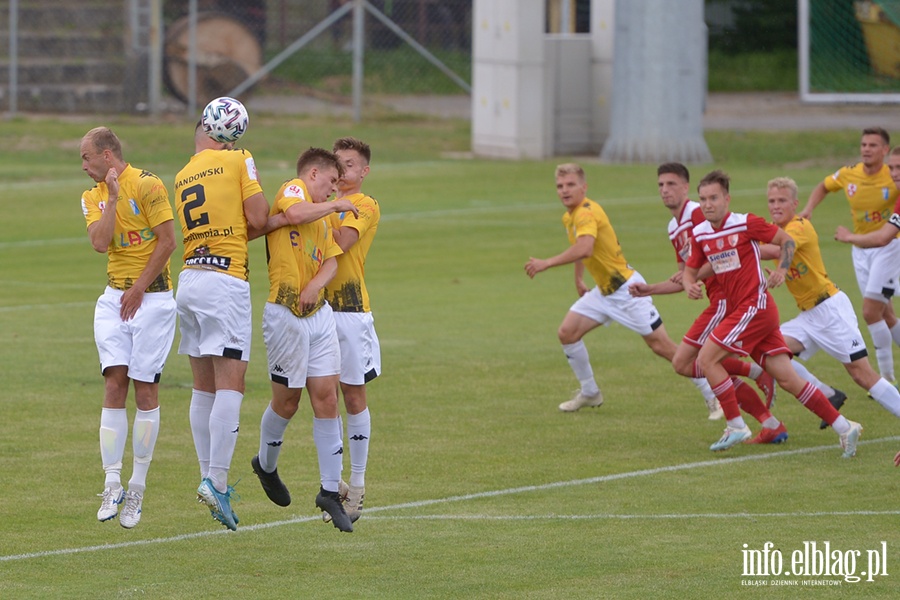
(582, 248)
(873, 239)
(815, 198)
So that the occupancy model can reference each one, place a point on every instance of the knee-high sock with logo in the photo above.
(143, 440)
(271, 436)
(724, 391)
(887, 396)
(750, 402)
(359, 430)
(330, 450)
(578, 358)
(803, 372)
(113, 433)
(224, 423)
(201, 407)
(884, 352)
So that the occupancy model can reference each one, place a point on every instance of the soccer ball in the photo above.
(225, 119)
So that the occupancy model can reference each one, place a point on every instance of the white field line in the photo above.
(507, 492)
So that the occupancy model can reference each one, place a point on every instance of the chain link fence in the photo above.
(60, 57)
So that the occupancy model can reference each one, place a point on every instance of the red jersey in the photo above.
(733, 252)
(681, 233)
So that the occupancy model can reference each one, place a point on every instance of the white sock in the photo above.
(884, 352)
(841, 425)
(803, 372)
(201, 407)
(704, 388)
(271, 436)
(755, 370)
(737, 423)
(359, 430)
(578, 358)
(113, 433)
(330, 450)
(887, 396)
(143, 441)
(895, 333)
(771, 423)
(224, 422)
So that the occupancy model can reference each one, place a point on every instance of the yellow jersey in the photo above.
(143, 203)
(296, 252)
(807, 280)
(347, 291)
(871, 197)
(209, 199)
(606, 264)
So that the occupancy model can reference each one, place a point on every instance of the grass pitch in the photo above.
(477, 485)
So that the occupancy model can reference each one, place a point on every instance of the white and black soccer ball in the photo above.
(225, 119)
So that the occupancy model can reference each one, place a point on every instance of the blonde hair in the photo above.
(568, 169)
(784, 183)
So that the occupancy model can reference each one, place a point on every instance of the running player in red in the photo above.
(673, 181)
(729, 242)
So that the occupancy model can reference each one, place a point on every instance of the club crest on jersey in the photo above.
(733, 239)
(134, 206)
(851, 189)
(885, 193)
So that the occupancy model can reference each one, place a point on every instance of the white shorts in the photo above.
(877, 270)
(215, 316)
(637, 314)
(143, 343)
(300, 347)
(830, 326)
(360, 350)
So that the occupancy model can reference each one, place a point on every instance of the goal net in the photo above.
(849, 51)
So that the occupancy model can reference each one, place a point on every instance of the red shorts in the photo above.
(704, 325)
(751, 331)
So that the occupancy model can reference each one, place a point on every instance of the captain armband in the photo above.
(895, 220)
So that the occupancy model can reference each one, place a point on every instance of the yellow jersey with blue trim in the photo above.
(295, 253)
(807, 280)
(347, 291)
(871, 197)
(606, 264)
(209, 199)
(142, 204)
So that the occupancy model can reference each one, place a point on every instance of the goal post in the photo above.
(849, 51)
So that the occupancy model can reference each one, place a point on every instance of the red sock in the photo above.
(724, 391)
(736, 367)
(750, 402)
(815, 400)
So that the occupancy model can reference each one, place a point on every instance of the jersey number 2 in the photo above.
(199, 198)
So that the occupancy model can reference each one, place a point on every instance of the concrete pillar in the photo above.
(659, 73)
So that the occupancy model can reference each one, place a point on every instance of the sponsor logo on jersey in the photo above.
(202, 258)
(135, 238)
